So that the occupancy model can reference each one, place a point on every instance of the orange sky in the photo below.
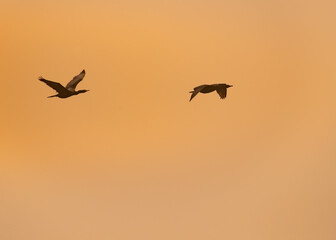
(133, 158)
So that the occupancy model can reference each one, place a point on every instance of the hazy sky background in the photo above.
(133, 158)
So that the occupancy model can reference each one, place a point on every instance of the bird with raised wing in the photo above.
(69, 89)
(221, 89)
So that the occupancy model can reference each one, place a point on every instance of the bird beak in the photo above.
(230, 85)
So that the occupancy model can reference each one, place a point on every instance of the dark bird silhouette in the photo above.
(221, 89)
(69, 89)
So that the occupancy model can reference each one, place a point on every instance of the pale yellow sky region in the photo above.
(133, 158)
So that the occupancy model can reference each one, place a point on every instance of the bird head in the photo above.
(82, 91)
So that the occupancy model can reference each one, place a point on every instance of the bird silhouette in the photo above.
(69, 89)
(221, 89)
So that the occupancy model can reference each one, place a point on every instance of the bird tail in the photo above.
(193, 94)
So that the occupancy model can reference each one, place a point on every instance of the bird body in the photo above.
(220, 88)
(69, 89)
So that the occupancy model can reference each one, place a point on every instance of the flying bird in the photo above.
(221, 89)
(69, 89)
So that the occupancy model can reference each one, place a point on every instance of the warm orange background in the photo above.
(132, 158)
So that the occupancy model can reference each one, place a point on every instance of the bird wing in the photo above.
(221, 92)
(55, 85)
(196, 91)
(73, 83)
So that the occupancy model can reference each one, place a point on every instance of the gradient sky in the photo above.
(133, 158)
